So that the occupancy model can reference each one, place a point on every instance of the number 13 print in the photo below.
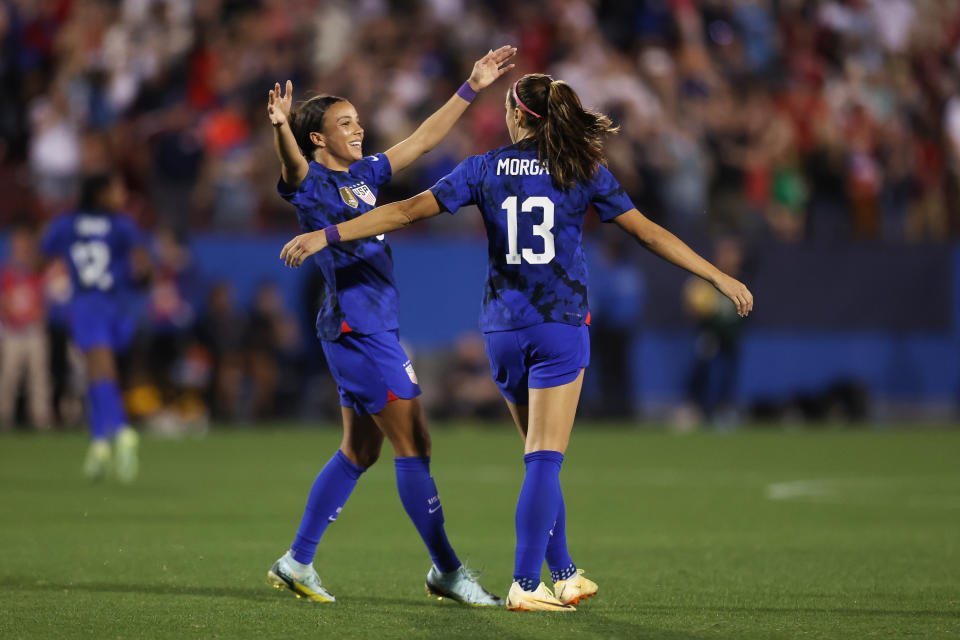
(543, 230)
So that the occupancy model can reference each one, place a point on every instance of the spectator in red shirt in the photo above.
(23, 338)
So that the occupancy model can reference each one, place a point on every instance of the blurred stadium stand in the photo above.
(823, 134)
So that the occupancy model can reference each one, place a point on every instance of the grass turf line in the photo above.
(751, 535)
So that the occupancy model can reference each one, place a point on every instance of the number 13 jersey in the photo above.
(536, 272)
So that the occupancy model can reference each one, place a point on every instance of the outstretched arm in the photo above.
(429, 134)
(672, 249)
(389, 217)
(293, 166)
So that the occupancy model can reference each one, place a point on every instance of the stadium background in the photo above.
(816, 143)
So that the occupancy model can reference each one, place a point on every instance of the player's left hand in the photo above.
(302, 247)
(737, 292)
(487, 69)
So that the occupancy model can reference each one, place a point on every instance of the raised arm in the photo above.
(389, 217)
(486, 70)
(293, 166)
(672, 249)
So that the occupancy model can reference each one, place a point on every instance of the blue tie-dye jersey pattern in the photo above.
(358, 283)
(525, 284)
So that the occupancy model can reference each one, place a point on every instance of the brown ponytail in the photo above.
(569, 138)
(307, 117)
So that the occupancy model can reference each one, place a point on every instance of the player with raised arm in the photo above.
(103, 250)
(325, 176)
(533, 195)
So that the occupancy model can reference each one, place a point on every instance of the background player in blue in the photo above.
(357, 324)
(533, 195)
(102, 249)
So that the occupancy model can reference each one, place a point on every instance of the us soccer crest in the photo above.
(347, 196)
(363, 192)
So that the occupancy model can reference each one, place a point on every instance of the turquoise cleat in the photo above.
(461, 586)
(304, 584)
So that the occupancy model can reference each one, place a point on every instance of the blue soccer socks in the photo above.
(330, 492)
(558, 558)
(99, 396)
(105, 410)
(116, 415)
(420, 499)
(537, 511)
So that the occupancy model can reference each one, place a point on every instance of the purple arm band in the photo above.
(466, 92)
(332, 235)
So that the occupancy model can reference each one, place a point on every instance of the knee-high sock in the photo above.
(330, 492)
(420, 499)
(116, 416)
(98, 409)
(537, 510)
(558, 558)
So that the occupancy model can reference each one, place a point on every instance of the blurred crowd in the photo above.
(196, 354)
(789, 120)
(768, 121)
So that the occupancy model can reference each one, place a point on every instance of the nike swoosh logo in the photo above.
(550, 604)
(434, 510)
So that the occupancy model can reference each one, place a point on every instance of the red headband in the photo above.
(517, 98)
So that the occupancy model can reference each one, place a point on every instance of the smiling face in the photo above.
(340, 143)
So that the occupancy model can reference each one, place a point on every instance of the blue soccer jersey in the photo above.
(359, 291)
(537, 272)
(96, 246)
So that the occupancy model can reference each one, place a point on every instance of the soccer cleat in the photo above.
(283, 575)
(128, 464)
(461, 586)
(575, 588)
(539, 600)
(97, 463)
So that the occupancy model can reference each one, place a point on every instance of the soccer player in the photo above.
(325, 176)
(103, 251)
(533, 195)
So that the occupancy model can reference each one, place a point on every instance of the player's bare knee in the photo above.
(368, 455)
(421, 442)
(362, 448)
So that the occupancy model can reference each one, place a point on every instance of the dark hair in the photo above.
(307, 117)
(569, 138)
(92, 188)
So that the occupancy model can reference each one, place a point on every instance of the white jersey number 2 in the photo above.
(543, 230)
(92, 260)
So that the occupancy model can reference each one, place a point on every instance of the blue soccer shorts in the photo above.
(101, 321)
(370, 370)
(538, 357)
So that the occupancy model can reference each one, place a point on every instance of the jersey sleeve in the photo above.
(375, 170)
(609, 198)
(461, 186)
(53, 242)
(300, 196)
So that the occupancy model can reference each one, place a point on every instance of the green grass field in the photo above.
(836, 534)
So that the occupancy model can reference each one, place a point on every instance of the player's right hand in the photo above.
(487, 69)
(278, 105)
(302, 247)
